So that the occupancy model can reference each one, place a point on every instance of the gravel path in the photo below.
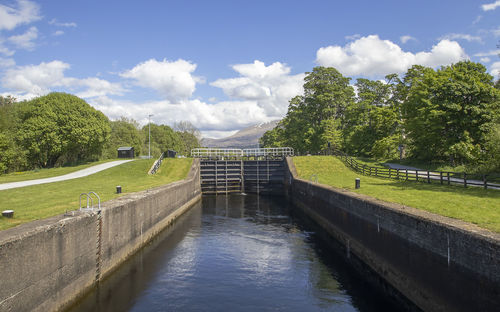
(74, 175)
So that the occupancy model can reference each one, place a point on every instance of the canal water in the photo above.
(236, 253)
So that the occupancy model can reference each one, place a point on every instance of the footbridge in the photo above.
(256, 170)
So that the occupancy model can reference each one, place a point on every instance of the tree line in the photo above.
(451, 114)
(59, 129)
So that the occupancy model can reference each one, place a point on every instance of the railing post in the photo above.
(465, 179)
(485, 183)
(364, 169)
(441, 177)
(428, 177)
(397, 173)
(389, 173)
(406, 174)
(416, 175)
(376, 171)
(448, 176)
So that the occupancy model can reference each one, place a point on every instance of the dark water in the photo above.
(236, 253)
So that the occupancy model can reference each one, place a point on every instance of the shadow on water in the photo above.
(237, 253)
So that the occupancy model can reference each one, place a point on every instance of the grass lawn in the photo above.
(474, 205)
(47, 173)
(46, 200)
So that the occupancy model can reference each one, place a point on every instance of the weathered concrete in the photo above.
(439, 263)
(47, 264)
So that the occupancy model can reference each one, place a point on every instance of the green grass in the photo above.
(46, 200)
(474, 205)
(47, 173)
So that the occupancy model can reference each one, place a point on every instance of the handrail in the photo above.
(89, 197)
(157, 164)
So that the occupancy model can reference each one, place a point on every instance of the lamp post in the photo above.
(149, 140)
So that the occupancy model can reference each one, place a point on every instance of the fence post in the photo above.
(376, 171)
(428, 177)
(364, 169)
(397, 174)
(441, 177)
(485, 182)
(370, 170)
(465, 179)
(416, 175)
(406, 174)
(389, 173)
(448, 176)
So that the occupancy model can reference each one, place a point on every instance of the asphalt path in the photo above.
(74, 175)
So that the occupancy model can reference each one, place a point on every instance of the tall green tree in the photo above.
(447, 111)
(189, 137)
(163, 138)
(316, 118)
(60, 128)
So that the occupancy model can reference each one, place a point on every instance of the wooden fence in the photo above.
(442, 177)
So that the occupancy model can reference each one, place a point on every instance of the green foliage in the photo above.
(124, 132)
(60, 128)
(316, 117)
(163, 138)
(189, 137)
(447, 111)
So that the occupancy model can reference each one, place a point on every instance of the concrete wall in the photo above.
(439, 263)
(47, 264)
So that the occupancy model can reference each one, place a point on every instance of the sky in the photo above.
(226, 65)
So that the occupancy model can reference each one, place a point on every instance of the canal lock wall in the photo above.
(47, 265)
(438, 263)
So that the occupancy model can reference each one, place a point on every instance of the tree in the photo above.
(124, 132)
(315, 118)
(163, 138)
(60, 128)
(189, 136)
(447, 111)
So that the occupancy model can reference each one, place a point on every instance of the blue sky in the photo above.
(224, 65)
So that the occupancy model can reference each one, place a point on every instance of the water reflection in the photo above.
(235, 253)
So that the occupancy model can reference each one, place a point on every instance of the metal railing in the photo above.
(157, 164)
(239, 153)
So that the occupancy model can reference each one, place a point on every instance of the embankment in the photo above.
(48, 264)
(438, 263)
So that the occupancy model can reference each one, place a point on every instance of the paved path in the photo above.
(74, 175)
(401, 167)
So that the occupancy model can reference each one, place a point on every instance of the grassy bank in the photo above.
(45, 200)
(47, 173)
(474, 205)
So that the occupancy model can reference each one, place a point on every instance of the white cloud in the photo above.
(222, 118)
(56, 23)
(490, 6)
(489, 53)
(25, 41)
(58, 33)
(45, 77)
(485, 59)
(466, 37)
(4, 50)
(352, 37)
(36, 79)
(478, 18)
(371, 56)
(174, 80)
(25, 12)
(7, 62)
(405, 39)
(495, 70)
(271, 87)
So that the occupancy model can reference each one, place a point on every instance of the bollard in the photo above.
(118, 189)
(358, 183)
(8, 213)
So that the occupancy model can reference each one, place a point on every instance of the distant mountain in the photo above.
(245, 138)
